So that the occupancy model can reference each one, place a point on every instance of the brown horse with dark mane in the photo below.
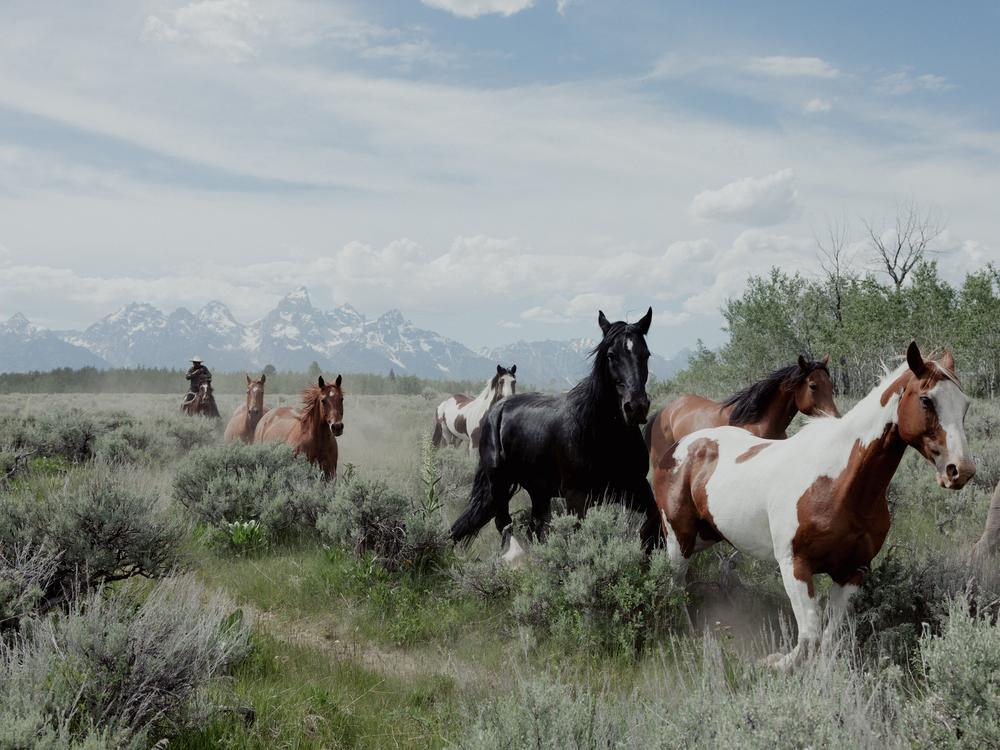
(203, 403)
(244, 421)
(313, 428)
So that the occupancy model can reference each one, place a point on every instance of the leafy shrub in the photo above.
(26, 571)
(104, 524)
(490, 580)
(70, 434)
(961, 705)
(370, 519)
(590, 584)
(115, 668)
(240, 537)
(186, 434)
(906, 594)
(266, 483)
(132, 444)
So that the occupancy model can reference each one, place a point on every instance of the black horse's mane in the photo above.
(586, 395)
(749, 404)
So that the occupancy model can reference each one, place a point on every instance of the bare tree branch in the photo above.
(897, 252)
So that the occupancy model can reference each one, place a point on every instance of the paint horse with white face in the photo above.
(461, 417)
(815, 503)
(244, 420)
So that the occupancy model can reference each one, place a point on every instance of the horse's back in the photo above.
(277, 425)
(236, 429)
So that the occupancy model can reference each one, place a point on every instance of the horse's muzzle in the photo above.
(636, 410)
(337, 428)
(956, 475)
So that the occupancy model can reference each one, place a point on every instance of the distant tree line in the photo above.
(164, 380)
(861, 322)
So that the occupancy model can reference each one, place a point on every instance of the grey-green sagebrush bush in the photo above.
(591, 585)
(368, 518)
(116, 668)
(266, 483)
(26, 571)
(102, 524)
(960, 706)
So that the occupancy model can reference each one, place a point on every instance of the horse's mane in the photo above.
(585, 394)
(750, 403)
(311, 396)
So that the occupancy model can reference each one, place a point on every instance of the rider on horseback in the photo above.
(196, 375)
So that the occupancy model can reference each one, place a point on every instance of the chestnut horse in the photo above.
(815, 503)
(765, 408)
(311, 430)
(202, 404)
(244, 420)
(460, 417)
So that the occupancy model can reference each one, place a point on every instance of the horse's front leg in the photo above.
(838, 604)
(797, 576)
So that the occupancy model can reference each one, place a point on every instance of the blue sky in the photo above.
(498, 169)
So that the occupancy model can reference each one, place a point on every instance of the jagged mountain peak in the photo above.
(19, 324)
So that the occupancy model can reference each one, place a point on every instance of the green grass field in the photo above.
(347, 654)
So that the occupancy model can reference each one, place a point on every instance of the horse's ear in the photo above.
(263, 378)
(338, 381)
(645, 321)
(915, 360)
(513, 369)
(248, 380)
(947, 361)
(826, 359)
(803, 365)
(321, 383)
(603, 322)
(499, 370)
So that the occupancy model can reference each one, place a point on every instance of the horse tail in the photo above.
(647, 431)
(480, 509)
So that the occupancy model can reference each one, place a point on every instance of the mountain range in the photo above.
(291, 336)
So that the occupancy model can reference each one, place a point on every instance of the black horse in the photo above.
(584, 445)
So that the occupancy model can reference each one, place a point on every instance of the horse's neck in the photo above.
(485, 397)
(596, 404)
(779, 414)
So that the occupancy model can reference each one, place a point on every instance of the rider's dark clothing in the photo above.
(197, 375)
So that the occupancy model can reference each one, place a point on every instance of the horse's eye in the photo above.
(927, 403)
(812, 386)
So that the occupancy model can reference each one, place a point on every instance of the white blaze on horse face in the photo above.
(629, 343)
(506, 386)
(951, 404)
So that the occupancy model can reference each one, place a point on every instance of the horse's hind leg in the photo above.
(541, 512)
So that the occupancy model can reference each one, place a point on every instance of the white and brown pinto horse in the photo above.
(815, 503)
(244, 421)
(312, 429)
(460, 417)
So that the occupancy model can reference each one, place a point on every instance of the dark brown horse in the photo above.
(312, 429)
(202, 404)
(244, 420)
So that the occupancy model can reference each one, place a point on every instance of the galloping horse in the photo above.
(460, 417)
(583, 445)
(203, 403)
(244, 420)
(313, 429)
(815, 503)
(765, 408)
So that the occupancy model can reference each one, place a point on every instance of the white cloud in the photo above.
(226, 27)
(817, 106)
(757, 201)
(476, 8)
(904, 82)
(778, 65)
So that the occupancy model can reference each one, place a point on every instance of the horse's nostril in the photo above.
(952, 472)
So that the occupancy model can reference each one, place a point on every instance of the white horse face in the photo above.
(508, 386)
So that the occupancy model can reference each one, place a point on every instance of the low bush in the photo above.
(70, 435)
(591, 585)
(117, 669)
(960, 707)
(133, 444)
(266, 483)
(26, 571)
(490, 579)
(370, 519)
(102, 524)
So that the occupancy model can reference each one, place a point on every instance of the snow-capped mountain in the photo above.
(291, 336)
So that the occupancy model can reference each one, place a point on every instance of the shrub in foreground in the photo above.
(591, 584)
(266, 483)
(102, 524)
(368, 518)
(116, 668)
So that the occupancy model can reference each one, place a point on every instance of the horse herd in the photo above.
(814, 503)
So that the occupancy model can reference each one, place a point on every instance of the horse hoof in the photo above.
(779, 662)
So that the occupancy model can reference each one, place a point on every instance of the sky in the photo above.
(496, 169)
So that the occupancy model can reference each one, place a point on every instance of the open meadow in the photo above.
(229, 597)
